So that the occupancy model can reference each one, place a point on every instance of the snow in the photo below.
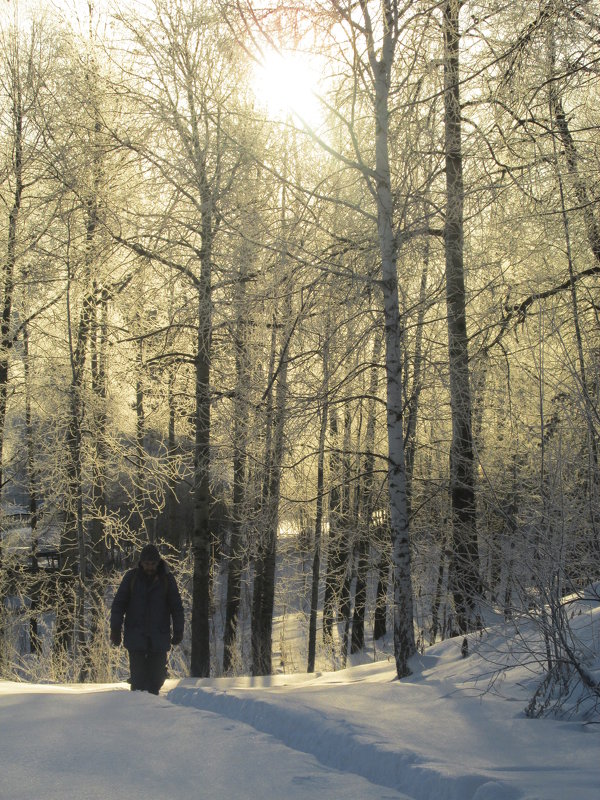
(454, 730)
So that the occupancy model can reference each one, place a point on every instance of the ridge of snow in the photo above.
(341, 745)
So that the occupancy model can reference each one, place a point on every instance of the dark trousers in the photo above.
(148, 670)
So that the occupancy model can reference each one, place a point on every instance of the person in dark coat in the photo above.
(148, 600)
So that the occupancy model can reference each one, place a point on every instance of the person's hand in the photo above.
(177, 638)
(115, 637)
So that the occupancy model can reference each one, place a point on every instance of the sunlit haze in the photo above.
(287, 84)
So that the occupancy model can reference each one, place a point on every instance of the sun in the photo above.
(287, 84)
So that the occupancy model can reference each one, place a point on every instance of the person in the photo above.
(148, 600)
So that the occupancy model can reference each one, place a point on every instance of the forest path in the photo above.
(94, 743)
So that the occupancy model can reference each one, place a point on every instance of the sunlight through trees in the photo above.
(306, 295)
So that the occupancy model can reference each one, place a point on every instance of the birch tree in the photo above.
(465, 582)
(318, 537)
(381, 42)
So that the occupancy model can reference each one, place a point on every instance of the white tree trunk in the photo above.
(404, 638)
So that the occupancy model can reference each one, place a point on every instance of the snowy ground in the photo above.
(444, 733)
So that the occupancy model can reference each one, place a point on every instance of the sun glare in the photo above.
(287, 84)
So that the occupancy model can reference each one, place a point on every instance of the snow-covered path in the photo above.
(58, 743)
(447, 732)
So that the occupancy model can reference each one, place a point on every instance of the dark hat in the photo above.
(150, 553)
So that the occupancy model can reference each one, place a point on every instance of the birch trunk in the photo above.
(240, 437)
(202, 539)
(338, 546)
(174, 536)
(263, 598)
(139, 519)
(465, 580)
(99, 343)
(347, 523)
(99, 510)
(404, 637)
(264, 589)
(413, 403)
(364, 506)
(69, 617)
(316, 567)
(32, 490)
(261, 650)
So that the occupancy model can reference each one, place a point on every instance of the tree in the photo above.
(240, 436)
(465, 557)
(316, 567)
(380, 62)
(275, 398)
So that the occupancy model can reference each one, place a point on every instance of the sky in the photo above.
(453, 730)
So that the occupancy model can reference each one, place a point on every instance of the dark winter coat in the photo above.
(148, 604)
